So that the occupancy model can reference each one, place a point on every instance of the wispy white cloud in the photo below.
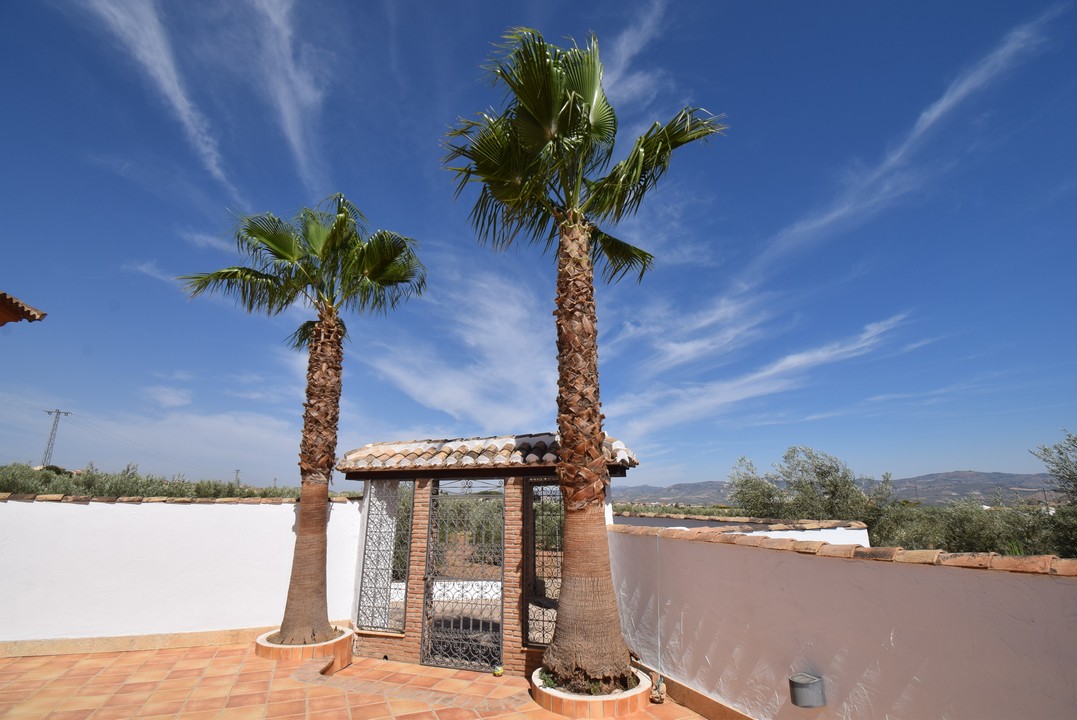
(138, 27)
(621, 83)
(873, 189)
(150, 268)
(507, 379)
(664, 408)
(293, 76)
(168, 397)
(677, 338)
(206, 240)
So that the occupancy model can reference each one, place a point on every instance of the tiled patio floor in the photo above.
(230, 683)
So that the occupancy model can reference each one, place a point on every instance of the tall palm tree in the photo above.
(325, 260)
(539, 162)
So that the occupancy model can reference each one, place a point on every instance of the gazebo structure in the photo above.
(461, 549)
(12, 310)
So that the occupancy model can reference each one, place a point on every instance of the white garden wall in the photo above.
(78, 570)
(890, 639)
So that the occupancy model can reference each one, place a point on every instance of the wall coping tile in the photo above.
(1033, 564)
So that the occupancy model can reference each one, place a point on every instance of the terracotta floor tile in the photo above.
(401, 707)
(422, 715)
(285, 709)
(204, 715)
(456, 714)
(371, 711)
(208, 703)
(287, 694)
(69, 714)
(235, 701)
(450, 685)
(243, 688)
(423, 681)
(126, 699)
(336, 714)
(243, 713)
(171, 707)
(330, 702)
(168, 695)
(116, 713)
(79, 702)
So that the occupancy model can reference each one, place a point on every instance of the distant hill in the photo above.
(939, 488)
(711, 492)
(933, 489)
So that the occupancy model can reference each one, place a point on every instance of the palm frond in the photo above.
(618, 257)
(254, 290)
(380, 273)
(621, 191)
(583, 79)
(514, 181)
(266, 233)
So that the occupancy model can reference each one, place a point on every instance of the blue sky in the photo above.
(876, 260)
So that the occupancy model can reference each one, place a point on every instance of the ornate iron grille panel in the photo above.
(548, 523)
(462, 606)
(383, 585)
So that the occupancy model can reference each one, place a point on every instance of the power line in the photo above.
(52, 435)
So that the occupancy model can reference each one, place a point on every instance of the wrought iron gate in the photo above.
(462, 605)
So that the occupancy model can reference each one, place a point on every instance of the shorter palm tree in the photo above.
(324, 259)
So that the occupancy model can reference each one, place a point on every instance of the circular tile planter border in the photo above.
(339, 649)
(591, 706)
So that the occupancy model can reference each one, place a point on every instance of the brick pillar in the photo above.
(513, 594)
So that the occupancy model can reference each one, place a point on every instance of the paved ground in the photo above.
(230, 683)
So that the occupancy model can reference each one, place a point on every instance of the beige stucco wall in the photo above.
(891, 640)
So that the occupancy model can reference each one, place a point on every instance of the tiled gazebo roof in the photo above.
(12, 310)
(501, 455)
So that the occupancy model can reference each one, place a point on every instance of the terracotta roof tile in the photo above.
(12, 310)
(967, 560)
(923, 557)
(808, 546)
(1064, 566)
(837, 550)
(502, 451)
(778, 543)
(1023, 563)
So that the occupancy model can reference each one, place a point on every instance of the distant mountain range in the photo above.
(933, 489)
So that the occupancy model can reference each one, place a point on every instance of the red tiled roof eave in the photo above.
(532, 454)
(12, 310)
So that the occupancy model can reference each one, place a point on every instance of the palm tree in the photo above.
(539, 162)
(327, 261)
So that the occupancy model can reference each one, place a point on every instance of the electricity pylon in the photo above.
(52, 435)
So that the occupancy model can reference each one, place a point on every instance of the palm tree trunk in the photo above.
(587, 646)
(306, 617)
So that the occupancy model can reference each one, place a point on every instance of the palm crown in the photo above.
(321, 257)
(538, 159)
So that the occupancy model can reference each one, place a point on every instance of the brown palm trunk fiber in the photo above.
(306, 617)
(588, 652)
